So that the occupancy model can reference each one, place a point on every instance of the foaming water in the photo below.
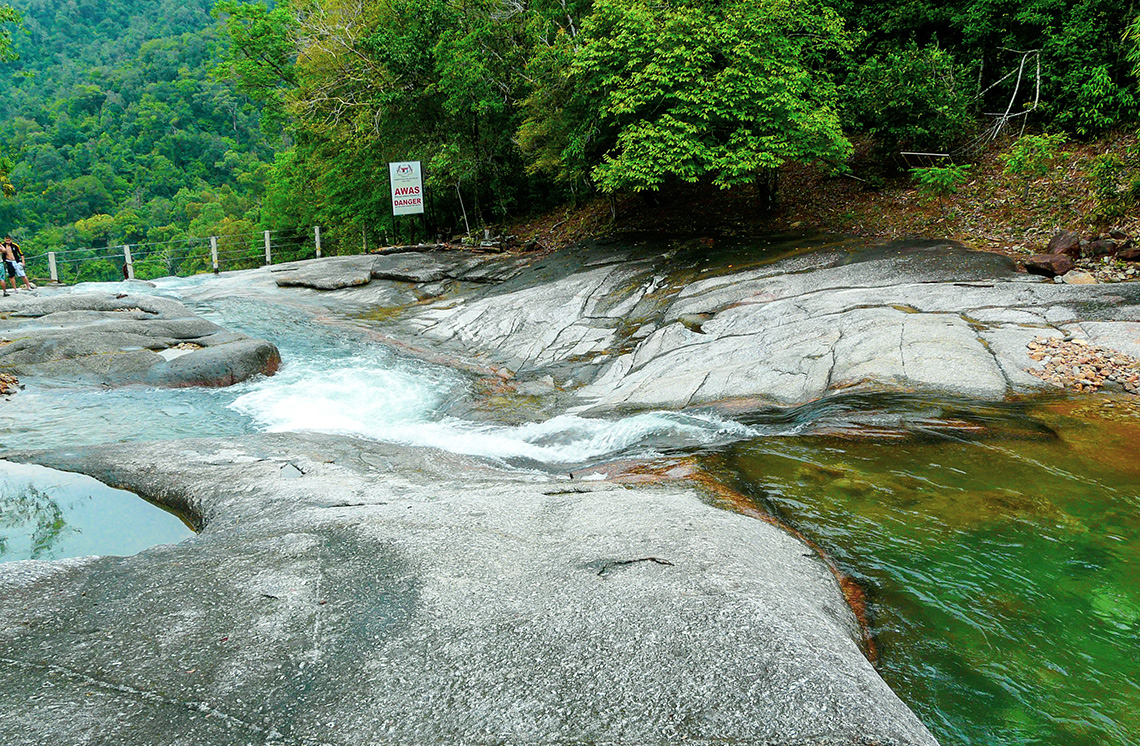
(379, 396)
(335, 380)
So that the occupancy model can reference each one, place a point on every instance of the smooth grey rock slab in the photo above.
(327, 273)
(408, 264)
(652, 332)
(379, 594)
(114, 340)
(421, 267)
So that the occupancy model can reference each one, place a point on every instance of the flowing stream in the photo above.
(1000, 546)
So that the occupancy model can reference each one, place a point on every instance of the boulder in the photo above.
(1131, 253)
(1065, 242)
(125, 339)
(328, 273)
(1048, 265)
(349, 592)
(419, 267)
(1100, 247)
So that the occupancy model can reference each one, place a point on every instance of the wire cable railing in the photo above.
(180, 257)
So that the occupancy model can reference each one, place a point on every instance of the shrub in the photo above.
(1032, 156)
(939, 182)
(1115, 182)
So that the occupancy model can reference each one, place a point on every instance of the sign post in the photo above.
(407, 188)
(407, 184)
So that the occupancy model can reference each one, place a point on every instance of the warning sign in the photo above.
(407, 188)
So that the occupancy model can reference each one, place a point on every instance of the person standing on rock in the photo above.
(14, 265)
(8, 257)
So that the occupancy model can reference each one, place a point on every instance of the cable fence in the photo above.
(181, 257)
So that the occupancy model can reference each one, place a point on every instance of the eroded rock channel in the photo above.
(350, 591)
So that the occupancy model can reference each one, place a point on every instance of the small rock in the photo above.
(1103, 247)
(1079, 278)
(1048, 265)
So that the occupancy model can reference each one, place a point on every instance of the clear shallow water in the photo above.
(1004, 571)
(48, 515)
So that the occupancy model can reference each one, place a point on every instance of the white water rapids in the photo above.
(332, 380)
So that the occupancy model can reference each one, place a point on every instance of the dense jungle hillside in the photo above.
(151, 120)
(116, 130)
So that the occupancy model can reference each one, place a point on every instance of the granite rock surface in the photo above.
(672, 326)
(119, 339)
(348, 592)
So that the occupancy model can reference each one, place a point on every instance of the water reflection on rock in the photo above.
(48, 515)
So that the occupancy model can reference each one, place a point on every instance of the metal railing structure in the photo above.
(182, 257)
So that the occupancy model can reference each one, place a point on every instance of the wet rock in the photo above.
(1130, 254)
(1065, 242)
(607, 320)
(499, 269)
(1048, 265)
(1118, 234)
(396, 595)
(125, 339)
(897, 317)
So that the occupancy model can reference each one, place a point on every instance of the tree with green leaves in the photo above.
(914, 98)
(650, 93)
(8, 16)
(1032, 157)
(1131, 38)
(110, 113)
(261, 54)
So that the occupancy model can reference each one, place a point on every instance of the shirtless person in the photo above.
(13, 262)
(8, 257)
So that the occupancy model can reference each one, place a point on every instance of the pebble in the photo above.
(1083, 366)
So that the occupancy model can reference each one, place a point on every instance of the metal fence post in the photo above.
(129, 266)
(317, 238)
(51, 267)
(268, 256)
(214, 252)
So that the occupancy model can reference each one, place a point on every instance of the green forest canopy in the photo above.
(151, 120)
(116, 131)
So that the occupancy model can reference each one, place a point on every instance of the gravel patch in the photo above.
(1083, 366)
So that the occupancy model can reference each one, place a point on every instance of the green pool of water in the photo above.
(1003, 568)
(47, 515)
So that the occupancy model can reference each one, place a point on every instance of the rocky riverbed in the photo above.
(678, 324)
(345, 591)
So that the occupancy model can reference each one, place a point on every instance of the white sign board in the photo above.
(407, 188)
